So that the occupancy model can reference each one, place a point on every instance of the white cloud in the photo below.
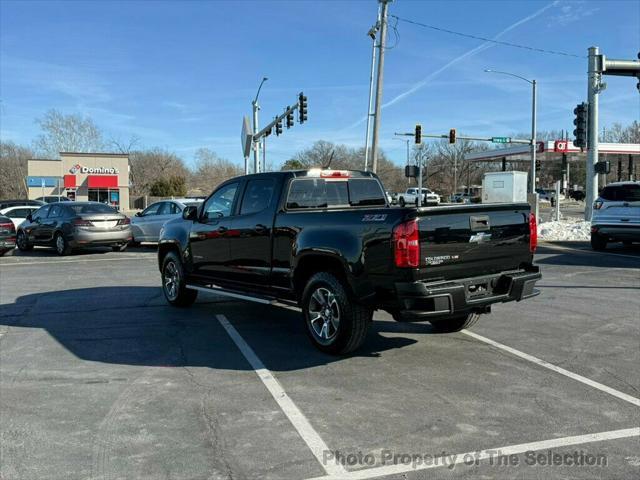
(570, 12)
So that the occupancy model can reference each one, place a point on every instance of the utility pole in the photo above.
(372, 33)
(382, 45)
(593, 90)
(534, 147)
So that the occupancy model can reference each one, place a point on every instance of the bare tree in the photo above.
(123, 146)
(67, 133)
(13, 170)
(211, 170)
(150, 165)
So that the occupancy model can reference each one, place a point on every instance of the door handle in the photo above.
(260, 228)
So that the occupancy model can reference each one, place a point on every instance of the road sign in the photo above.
(246, 137)
(501, 139)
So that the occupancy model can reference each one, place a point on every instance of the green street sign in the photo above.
(501, 139)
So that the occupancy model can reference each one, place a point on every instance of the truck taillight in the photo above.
(533, 233)
(406, 244)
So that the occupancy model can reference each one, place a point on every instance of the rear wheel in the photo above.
(23, 242)
(335, 322)
(119, 248)
(174, 286)
(61, 245)
(401, 202)
(455, 323)
(598, 242)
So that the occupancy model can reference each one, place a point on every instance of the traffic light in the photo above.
(602, 167)
(418, 134)
(289, 119)
(302, 108)
(538, 165)
(452, 135)
(580, 133)
(279, 127)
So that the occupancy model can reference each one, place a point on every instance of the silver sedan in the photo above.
(146, 225)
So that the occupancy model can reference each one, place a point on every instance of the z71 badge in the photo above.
(440, 259)
(379, 217)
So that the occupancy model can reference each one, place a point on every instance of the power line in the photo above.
(476, 37)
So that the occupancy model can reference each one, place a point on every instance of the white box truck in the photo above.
(504, 187)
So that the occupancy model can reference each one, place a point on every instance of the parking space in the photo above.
(100, 379)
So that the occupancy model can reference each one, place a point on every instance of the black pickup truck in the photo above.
(327, 241)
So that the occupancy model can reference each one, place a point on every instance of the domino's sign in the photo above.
(93, 170)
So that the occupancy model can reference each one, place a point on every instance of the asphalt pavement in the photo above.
(100, 379)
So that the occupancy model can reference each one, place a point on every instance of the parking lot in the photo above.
(100, 379)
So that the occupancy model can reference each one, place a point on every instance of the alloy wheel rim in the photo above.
(22, 240)
(171, 280)
(60, 243)
(324, 314)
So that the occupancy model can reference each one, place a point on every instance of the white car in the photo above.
(616, 215)
(411, 197)
(146, 225)
(18, 213)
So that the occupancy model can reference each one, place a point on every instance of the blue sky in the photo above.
(181, 75)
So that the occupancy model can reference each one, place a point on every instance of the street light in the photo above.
(256, 145)
(532, 183)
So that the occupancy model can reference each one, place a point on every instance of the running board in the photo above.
(241, 296)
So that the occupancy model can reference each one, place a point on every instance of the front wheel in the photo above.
(174, 285)
(455, 323)
(598, 242)
(336, 323)
(401, 202)
(23, 242)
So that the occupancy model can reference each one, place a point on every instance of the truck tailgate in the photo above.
(484, 239)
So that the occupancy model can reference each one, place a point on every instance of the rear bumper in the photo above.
(425, 300)
(83, 238)
(618, 232)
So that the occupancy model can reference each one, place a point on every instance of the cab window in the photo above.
(257, 195)
(220, 203)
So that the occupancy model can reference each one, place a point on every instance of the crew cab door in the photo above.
(250, 244)
(209, 236)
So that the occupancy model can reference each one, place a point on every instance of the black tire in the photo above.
(401, 202)
(598, 242)
(455, 323)
(173, 282)
(133, 243)
(119, 248)
(61, 245)
(326, 299)
(22, 242)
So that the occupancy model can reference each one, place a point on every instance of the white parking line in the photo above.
(55, 262)
(560, 247)
(293, 413)
(470, 458)
(611, 391)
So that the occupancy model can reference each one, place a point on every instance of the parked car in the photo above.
(146, 225)
(410, 197)
(53, 198)
(327, 241)
(577, 195)
(7, 235)
(616, 215)
(18, 214)
(66, 226)
(461, 198)
(15, 203)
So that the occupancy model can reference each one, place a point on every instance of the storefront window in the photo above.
(108, 197)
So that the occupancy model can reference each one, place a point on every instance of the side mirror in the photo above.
(138, 214)
(190, 212)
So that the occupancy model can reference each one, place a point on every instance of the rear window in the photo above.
(320, 193)
(621, 193)
(80, 208)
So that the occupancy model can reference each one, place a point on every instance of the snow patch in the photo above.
(569, 229)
